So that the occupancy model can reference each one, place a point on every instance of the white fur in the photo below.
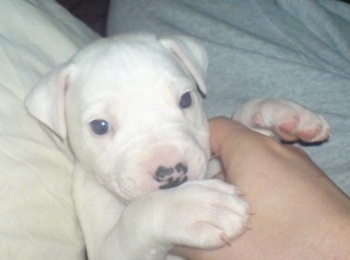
(135, 83)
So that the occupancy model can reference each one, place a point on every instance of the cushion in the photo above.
(37, 216)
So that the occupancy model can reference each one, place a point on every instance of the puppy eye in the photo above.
(99, 126)
(186, 100)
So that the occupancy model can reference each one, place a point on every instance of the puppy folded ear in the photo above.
(192, 55)
(46, 100)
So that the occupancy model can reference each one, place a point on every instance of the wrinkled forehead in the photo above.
(129, 74)
(123, 64)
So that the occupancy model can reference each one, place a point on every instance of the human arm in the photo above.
(298, 212)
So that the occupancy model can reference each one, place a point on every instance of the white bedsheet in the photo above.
(37, 216)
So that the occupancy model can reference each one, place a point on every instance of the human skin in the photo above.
(298, 212)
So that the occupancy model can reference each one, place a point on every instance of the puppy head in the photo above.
(131, 109)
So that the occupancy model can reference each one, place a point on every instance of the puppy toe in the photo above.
(315, 129)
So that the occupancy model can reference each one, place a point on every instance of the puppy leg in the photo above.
(204, 214)
(98, 211)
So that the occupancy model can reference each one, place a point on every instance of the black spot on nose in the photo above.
(170, 177)
(171, 183)
(163, 172)
(180, 168)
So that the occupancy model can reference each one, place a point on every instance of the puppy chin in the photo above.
(129, 189)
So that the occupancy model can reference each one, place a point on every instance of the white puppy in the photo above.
(130, 107)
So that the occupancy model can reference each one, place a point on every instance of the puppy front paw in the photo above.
(206, 214)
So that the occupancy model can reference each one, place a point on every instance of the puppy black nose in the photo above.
(170, 177)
